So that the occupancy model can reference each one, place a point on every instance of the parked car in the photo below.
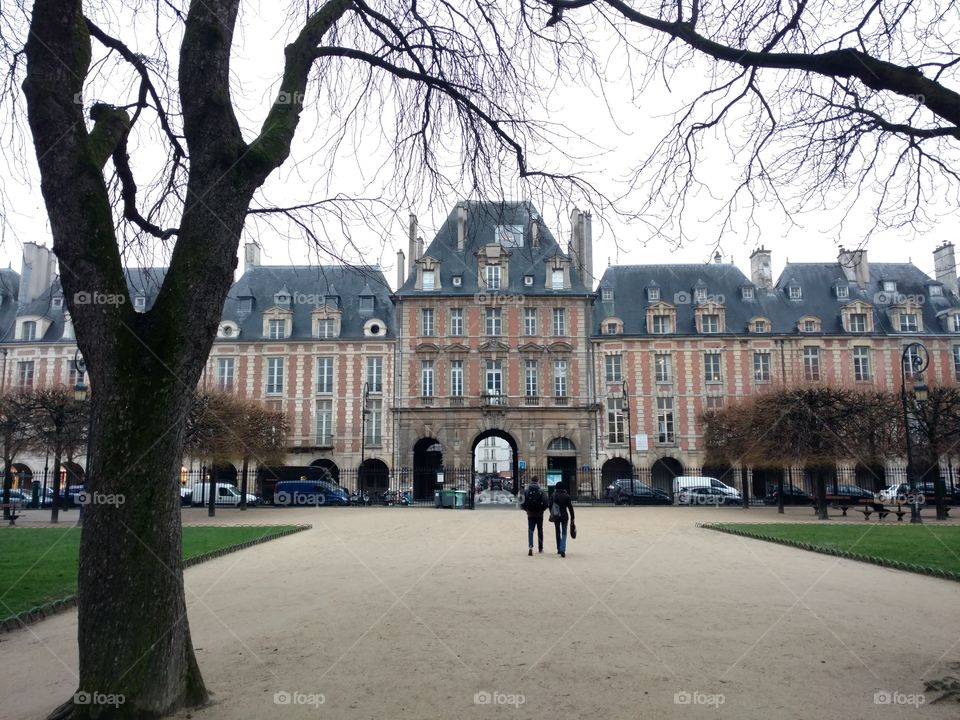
(847, 493)
(309, 492)
(226, 494)
(635, 492)
(792, 495)
(19, 497)
(707, 496)
(901, 494)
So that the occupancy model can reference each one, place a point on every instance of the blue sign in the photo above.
(523, 464)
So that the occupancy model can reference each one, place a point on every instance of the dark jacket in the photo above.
(540, 506)
(562, 498)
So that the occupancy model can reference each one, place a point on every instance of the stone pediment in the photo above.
(456, 348)
(494, 346)
(427, 347)
(530, 347)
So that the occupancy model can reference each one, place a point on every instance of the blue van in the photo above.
(309, 492)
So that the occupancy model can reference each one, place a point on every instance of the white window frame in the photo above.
(456, 378)
(560, 378)
(325, 375)
(559, 322)
(427, 322)
(811, 364)
(492, 276)
(531, 378)
(493, 322)
(761, 366)
(712, 367)
(456, 322)
(323, 421)
(226, 373)
(530, 321)
(666, 431)
(275, 373)
(662, 368)
(613, 367)
(861, 364)
(427, 385)
(374, 374)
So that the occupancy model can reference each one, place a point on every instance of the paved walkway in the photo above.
(424, 613)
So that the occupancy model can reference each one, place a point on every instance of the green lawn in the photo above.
(39, 565)
(928, 546)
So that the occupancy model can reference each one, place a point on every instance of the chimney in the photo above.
(461, 227)
(535, 232)
(945, 267)
(586, 248)
(717, 259)
(36, 272)
(761, 272)
(855, 266)
(412, 243)
(251, 256)
(419, 248)
(401, 267)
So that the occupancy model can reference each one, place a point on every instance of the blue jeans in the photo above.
(535, 521)
(561, 536)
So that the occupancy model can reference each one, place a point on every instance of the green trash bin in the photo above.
(447, 498)
(459, 499)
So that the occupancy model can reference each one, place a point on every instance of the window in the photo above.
(531, 380)
(912, 359)
(324, 423)
(508, 235)
(662, 368)
(426, 322)
(276, 329)
(74, 377)
(58, 302)
(858, 322)
(492, 276)
(225, 373)
(607, 294)
(560, 378)
(375, 374)
(556, 281)
(811, 364)
(908, 322)
(761, 367)
(366, 304)
(809, 326)
(843, 291)
(760, 326)
(665, 420)
(611, 328)
(494, 378)
(956, 323)
(457, 280)
(374, 422)
(614, 368)
(956, 361)
(274, 376)
(700, 294)
(456, 378)
(245, 305)
(653, 294)
(714, 402)
(429, 280)
(747, 293)
(139, 303)
(936, 291)
(889, 285)
(795, 292)
(615, 430)
(456, 321)
(661, 325)
(29, 330)
(326, 328)
(861, 364)
(325, 375)
(710, 323)
(711, 367)
(528, 280)
(426, 378)
(494, 322)
(529, 321)
(559, 322)
(25, 374)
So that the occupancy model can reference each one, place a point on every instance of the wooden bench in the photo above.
(13, 508)
(842, 501)
(882, 511)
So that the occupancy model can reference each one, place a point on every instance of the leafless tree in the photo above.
(16, 428)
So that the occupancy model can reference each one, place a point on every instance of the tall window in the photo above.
(531, 381)
(956, 361)
(456, 321)
(426, 322)
(761, 366)
(615, 430)
(277, 329)
(614, 368)
(426, 378)
(326, 328)
(665, 432)
(374, 422)
(274, 376)
(494, 378)
(429, 280)
(559, 322)
(811, 364)
(25, 374)
(908, 322)
(858, 322)
(911, 360)
(492, 274)
(556, 280)
(710, 323)
(494, 322)
(456, 378)
(661, 325)
(529, 321)
(375, 374)
(325, 375)
(29, 330)
(225, 373)
(324, 423)
(861, 364)
(662, 368)
(956, 323)
(711, 367)
(560, 378)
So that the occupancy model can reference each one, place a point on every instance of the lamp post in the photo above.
(81, 394)
(363, 437)
(626, 412)
(916, 354)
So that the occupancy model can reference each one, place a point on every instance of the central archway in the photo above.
(427, 462)
(510, 484)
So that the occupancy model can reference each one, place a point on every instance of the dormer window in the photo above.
(653, 294)
(57, 302)
(245, 305)
(612, 326)
(794, 292)
(908, 322)
(760, 326)
(889, 285)
(428, 280)
(858, 322)
(28, 331)
(842, 291)
(747, 293)
(699, 294)
(955, 324)
(457, 280)
(366, 304)
(809, 326)
(710, 323)
(282, 298)
(277, 329)
(606, 294)
(528, 280)
(492, 277)
(139, 303)
(662, 325)
(556, 280)
(936, 290)
(326, 328)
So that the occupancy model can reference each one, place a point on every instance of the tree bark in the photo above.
(243, 483)
(7, 484)
(57, 500)
(821, 483)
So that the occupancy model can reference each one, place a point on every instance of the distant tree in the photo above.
(936, 433)
(15, 434)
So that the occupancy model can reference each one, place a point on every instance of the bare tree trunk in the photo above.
(7, 483)
(243, 483)
(57, 495)
(821, 484)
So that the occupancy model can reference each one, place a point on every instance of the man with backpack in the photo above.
(534, 503)
(561, 513)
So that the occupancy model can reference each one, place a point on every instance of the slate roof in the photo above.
(9, 290)
(307, 285)
(483, 218)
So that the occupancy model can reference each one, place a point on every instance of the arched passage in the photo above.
(614, 469)
(663, 472)
(22, 477)
(427, 462)
(511, 484)
(374, 475)
(562, 458)
(72, 473)
(330, 466)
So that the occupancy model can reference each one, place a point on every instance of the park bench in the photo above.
(844, 502)
(874, 506)
(13, 508)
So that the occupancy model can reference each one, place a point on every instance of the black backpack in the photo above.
(533, 501)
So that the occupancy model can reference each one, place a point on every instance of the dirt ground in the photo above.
(425, 613)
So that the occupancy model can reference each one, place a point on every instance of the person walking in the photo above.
(534, 503)
(561, 513)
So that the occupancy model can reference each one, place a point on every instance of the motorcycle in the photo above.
(360, 498)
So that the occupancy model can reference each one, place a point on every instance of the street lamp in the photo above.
(363, 437)
(916, 354)
(626, 412)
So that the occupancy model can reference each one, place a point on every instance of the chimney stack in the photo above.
(581, 244)
(419, 248)
(945, 267)
(761, 270)
(535, 232)
(251, 256)
(401, 267)
(717, 258)
(855, 266)
(36, 272)
(461, 227)
(412, 243)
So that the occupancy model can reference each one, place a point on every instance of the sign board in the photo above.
(642, 442)
(440, 478)
(553, 477)
(522, 464)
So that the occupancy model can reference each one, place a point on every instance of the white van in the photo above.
(227, 494)
(684, 482)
